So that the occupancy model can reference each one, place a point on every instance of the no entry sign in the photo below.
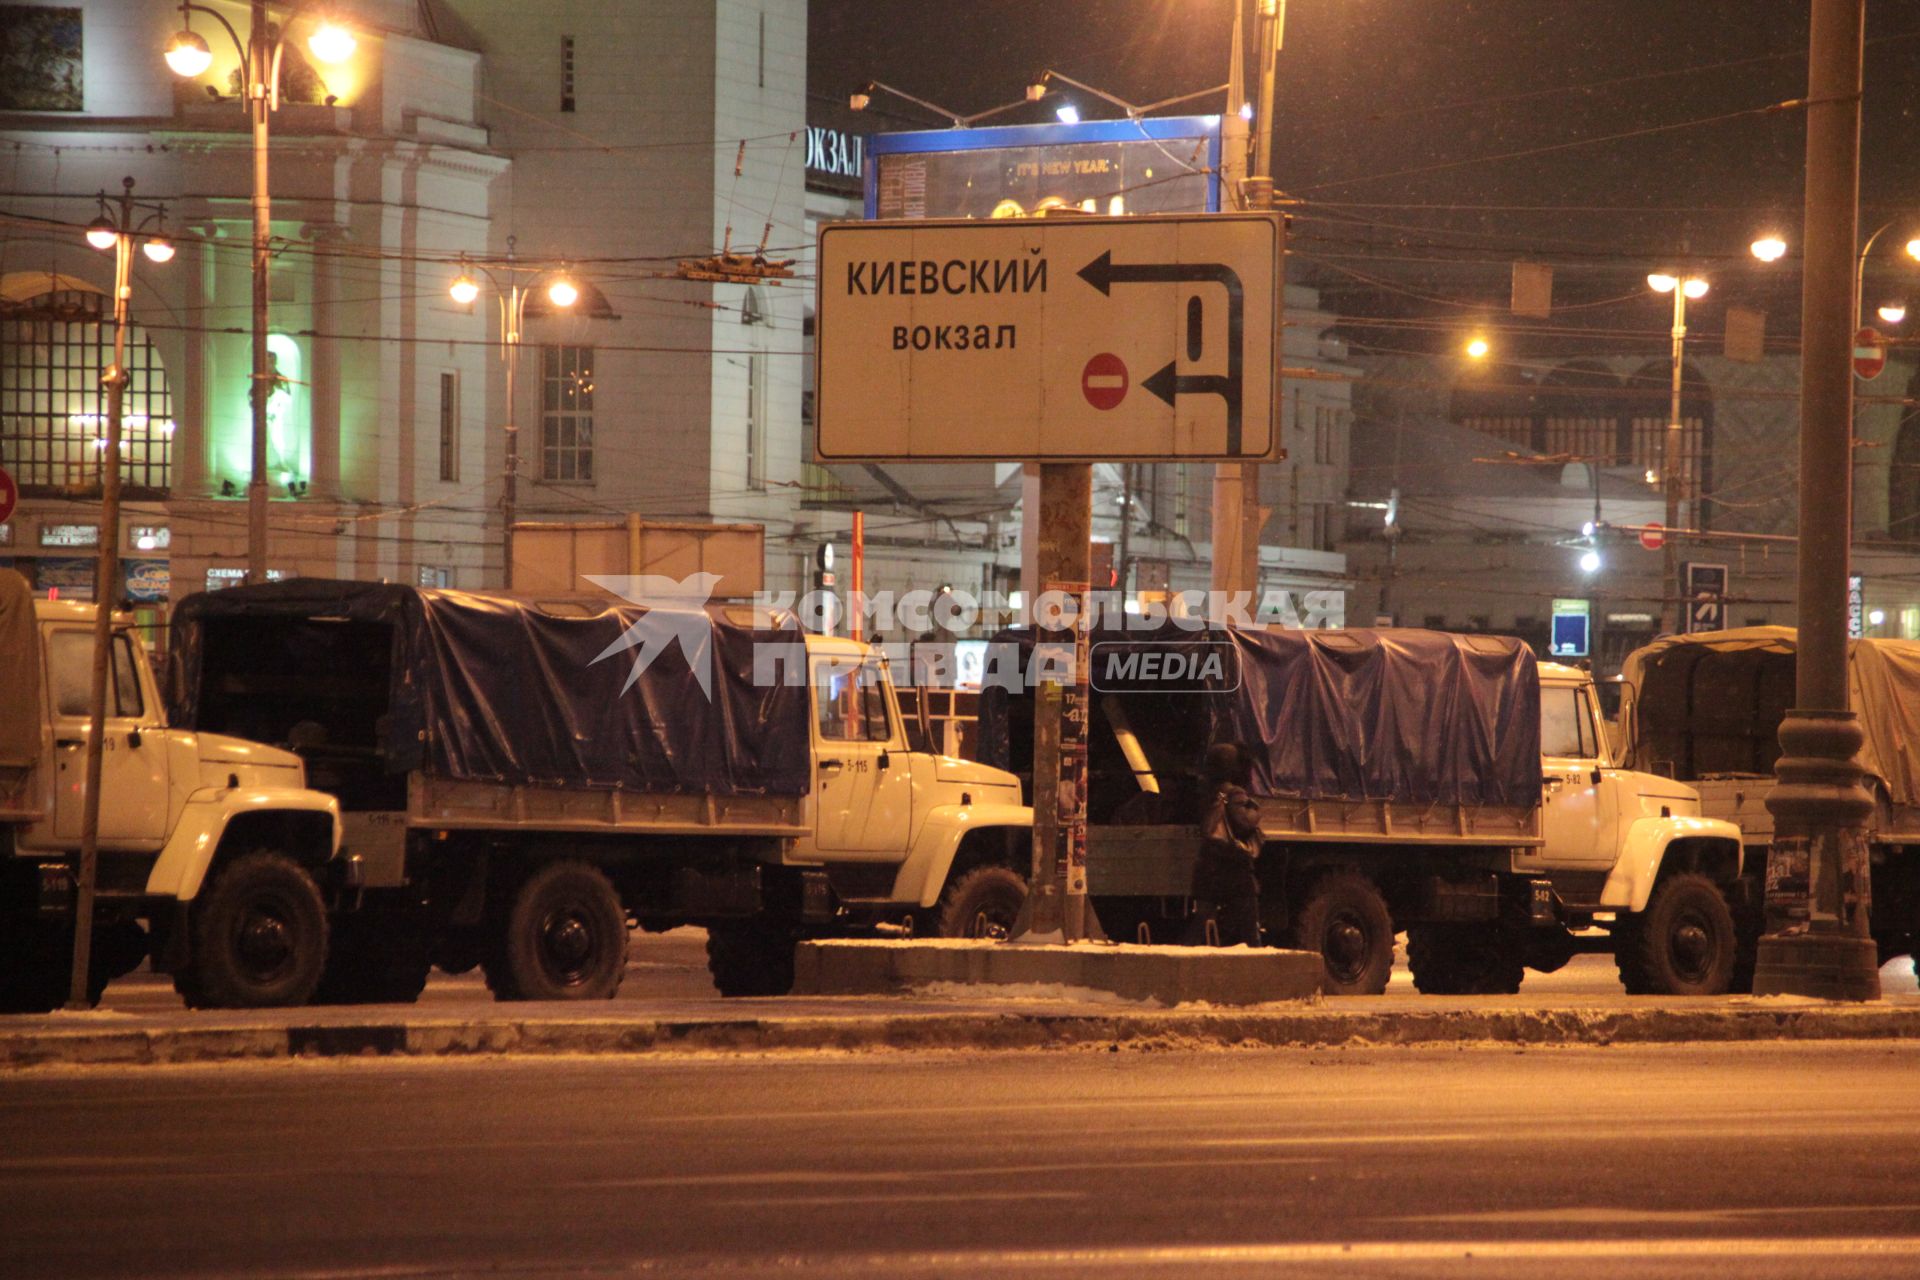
(1869, 353)
(1104, 381)
(9, 496)
(1653, 537)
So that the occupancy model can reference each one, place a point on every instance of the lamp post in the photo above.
(1674, 593)
(1860, 276)
(122, 223)
(260, 56)
(512, 299)
(1819, 805)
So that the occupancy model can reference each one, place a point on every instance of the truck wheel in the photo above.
(981, 903)
(750, 958)
(375, 957)
(1344, 918)
(564, 938)
(1464, 959)
(1682, 944)
(259, 936)
(457, 952)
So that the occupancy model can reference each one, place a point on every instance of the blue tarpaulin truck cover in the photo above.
(497, 688)
(1415, 717)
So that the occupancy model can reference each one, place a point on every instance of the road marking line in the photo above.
(993, 1260)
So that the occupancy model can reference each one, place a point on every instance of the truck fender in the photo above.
(923, 875)
(1644, 851)
(189, 852)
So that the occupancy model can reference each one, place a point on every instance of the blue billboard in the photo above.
(1168, 164)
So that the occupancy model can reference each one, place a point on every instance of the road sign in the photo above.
(1572, 625)
(9, 496)
(1653, 537)
(1104, 382)
(1869, 353)
(1062, 340)
(1706, 598)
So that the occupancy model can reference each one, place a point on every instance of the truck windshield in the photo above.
(1566, 724)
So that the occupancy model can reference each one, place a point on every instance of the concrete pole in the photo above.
(106, 577)
(259, 69)
(1235, 534)
(1819, 806)
(1672, 619)
(1056, 907)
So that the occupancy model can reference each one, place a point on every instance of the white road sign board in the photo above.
(1070, 340)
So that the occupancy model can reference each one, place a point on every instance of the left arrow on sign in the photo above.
(1103, 273)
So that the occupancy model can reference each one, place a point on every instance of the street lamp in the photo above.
(1682, 287)
(512, 295)
(1478, 348)
(122, 223)
(1860, 268)
(260, 53)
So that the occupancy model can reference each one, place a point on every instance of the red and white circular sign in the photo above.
(1653, 537)
(9, 496)
(1869, 353)
(1104, 381)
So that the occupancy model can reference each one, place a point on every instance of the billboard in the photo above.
(1167, 164)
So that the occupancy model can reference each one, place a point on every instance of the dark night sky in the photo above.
(1371, 89)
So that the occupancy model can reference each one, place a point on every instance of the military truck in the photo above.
(1706, 709)
(213, 854)
(522, 779)
(1447, 785)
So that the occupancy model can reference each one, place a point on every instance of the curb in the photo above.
(1306, 1027)
(1168, 976)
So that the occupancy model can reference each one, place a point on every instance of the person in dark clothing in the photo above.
(1225, 889)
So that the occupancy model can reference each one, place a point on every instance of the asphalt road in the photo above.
(667, 974)
(1776, 1160)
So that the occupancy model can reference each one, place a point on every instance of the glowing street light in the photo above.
(1893, 312)
(512, 293)
(1477, 348)
(187, 54)
(1682, 288)
(332, 43)
(1769, 248)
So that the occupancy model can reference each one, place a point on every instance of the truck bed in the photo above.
(1157, 861)
(456, 805)
(1741, 798)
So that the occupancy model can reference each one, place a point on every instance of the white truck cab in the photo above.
(1630, 849)
(212, 841)
(905, 812)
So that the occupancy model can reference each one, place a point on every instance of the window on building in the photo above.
(53, 350)
(1903, 476)
(566, 73)
(1181, 515)
(1326, 432)
(756, 422)
(1650, 452)
(566, 413)
(449, 426)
